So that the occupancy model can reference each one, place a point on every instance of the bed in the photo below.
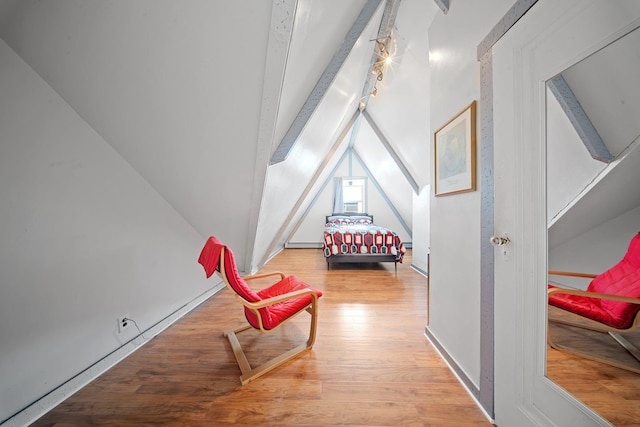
(354, 238)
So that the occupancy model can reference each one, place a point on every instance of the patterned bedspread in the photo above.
(358, 235)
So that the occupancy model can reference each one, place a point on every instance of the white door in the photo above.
(551, 37)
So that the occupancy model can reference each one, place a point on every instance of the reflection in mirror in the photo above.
(593, 211)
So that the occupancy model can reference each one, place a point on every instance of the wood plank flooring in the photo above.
(370, 366)
(611, 392)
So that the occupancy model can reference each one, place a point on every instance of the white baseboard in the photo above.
(52, 399)
(457, 371)
(419, 270)
(303, 245)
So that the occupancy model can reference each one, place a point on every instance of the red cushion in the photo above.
(210, 255)
(237, 283)
(275, 314)
(272, 315)
(622, 279)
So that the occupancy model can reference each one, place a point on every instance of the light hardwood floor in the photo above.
(611, 392)
(371, 364)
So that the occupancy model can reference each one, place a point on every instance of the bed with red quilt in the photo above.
(354, 238)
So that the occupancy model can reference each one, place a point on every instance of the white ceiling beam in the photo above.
(319, 193)
(345, 130)
(579, 119)
(512, 16)
(443, 5)
(280, 33)
(325, 81)
(396, 158)
(383, 194)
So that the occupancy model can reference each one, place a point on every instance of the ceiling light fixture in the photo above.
(382, 52)
(383, 59)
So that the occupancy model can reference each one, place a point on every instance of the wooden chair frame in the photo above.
(248, 373)
(593, 325)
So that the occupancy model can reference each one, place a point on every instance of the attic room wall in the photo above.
(401, 110)
(386, 172)
(176, 88)
(565, 178)
(286, 181)
(310, 231)
(454, 272)
(421, 230)
(85, 239)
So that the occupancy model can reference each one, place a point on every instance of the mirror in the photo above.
(593, 212)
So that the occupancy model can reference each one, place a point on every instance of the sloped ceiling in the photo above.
(174, 87)
(607, 86)
(400, 108)
(287, 180)
(319, 29)
(196, 95)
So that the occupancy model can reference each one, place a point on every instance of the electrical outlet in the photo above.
(123, 323)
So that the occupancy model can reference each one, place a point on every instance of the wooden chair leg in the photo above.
(248, 373)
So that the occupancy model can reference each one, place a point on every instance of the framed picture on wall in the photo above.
(454, 154)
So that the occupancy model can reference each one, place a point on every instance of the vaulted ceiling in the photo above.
(607, 92)
(197, 96)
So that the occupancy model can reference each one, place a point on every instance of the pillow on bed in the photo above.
(349, 219)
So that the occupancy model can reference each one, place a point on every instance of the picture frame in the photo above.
(454, 154)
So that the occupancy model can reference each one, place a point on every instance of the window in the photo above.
(350, 195)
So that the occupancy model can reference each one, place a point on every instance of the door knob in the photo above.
(499, 241)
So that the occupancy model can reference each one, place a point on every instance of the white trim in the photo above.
(52, 399)
(419, 270)
(464, 385)
(303, 245)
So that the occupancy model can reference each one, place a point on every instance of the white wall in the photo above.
(401, 112)
(85, 239)
(421, 224)
(570, 167)
(311, 228)
(402, 109)
(320, 26)
(386, 171)
(175, 88)
(287, 181)
(454, 276)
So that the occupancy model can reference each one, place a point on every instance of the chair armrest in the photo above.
(274, 300)
(259, 276)
(572, 274)
(565, 291)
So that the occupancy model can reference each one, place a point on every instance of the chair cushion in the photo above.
(622, 279)
(237, 283)
(272, 315)
(589, 308)
(275, 314)
(210, 255)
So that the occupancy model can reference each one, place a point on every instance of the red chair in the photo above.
(610, 304)
(266, 309)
